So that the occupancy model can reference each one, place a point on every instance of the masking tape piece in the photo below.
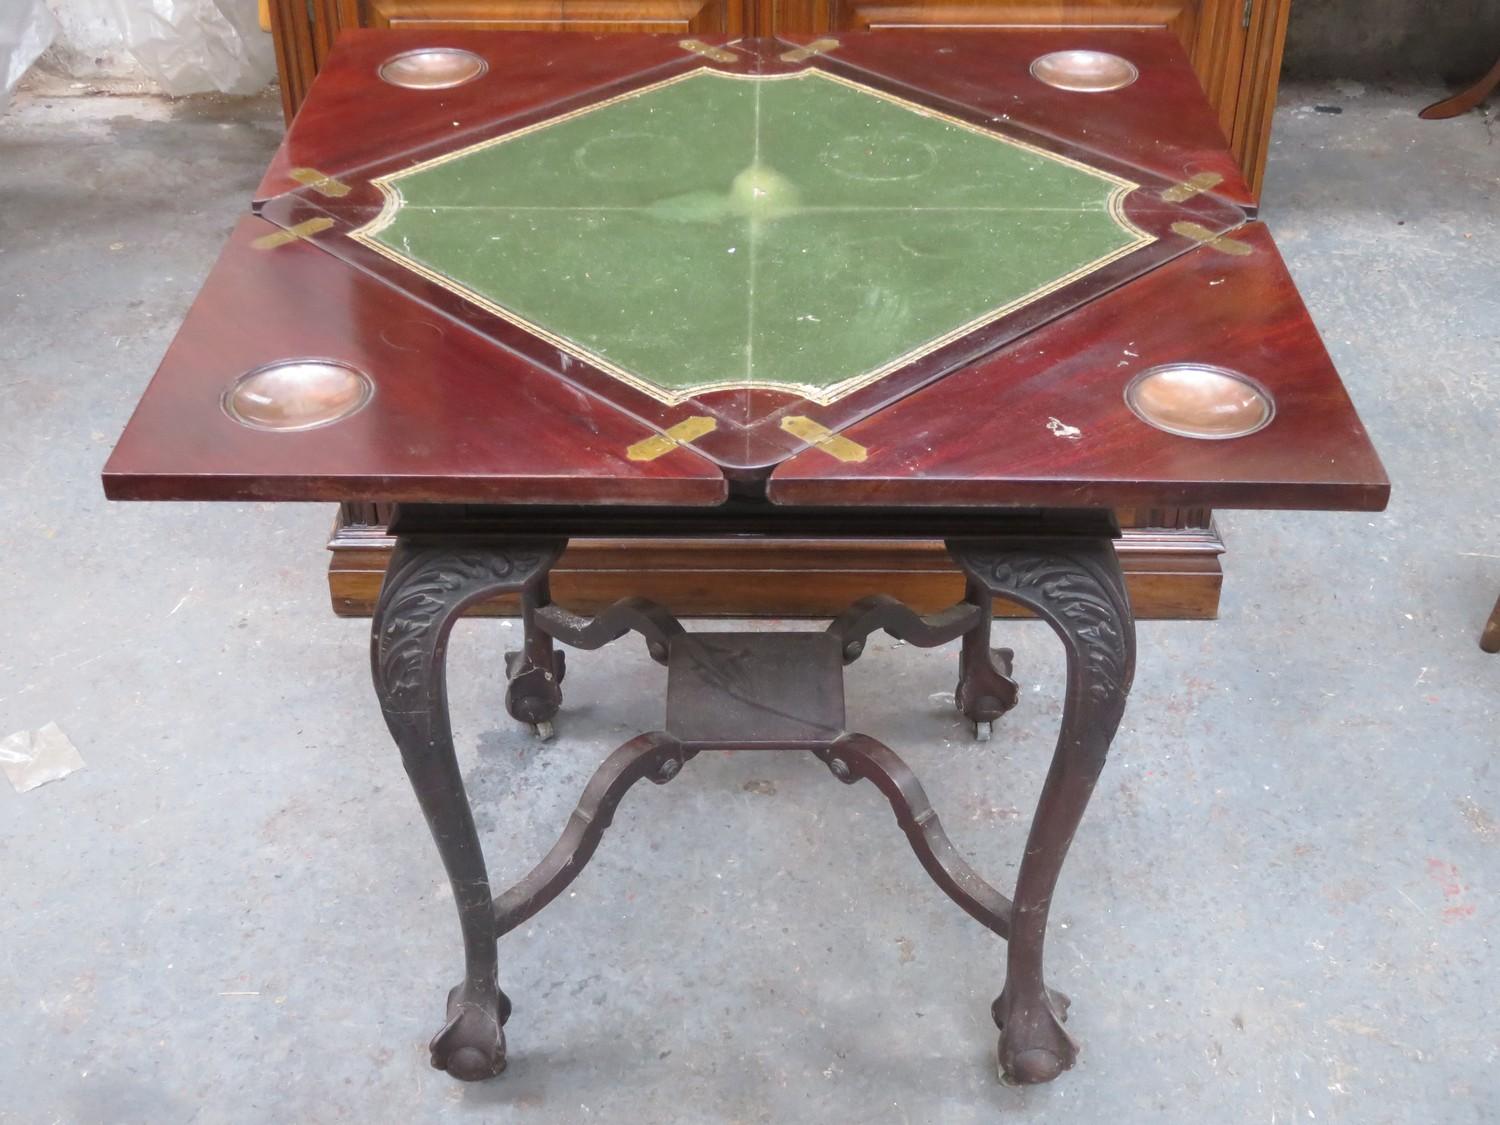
(1203, 181)
(319, 182)
(819, 435)
(1220, 242)
(816, 47)
(698, 47)
(689, 429)
(305, 229)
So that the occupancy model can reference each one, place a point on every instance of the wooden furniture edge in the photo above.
(1171, 573)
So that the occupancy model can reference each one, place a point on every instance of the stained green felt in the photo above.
(722, 231)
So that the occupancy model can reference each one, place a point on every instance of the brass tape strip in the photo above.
(305, 229)
(819, 435)
(1220, 242)
(319, 182)
(689, 429)
(816, 47)
(698, 47)
(1203, 181)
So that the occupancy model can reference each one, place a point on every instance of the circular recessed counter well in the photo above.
(297, 394)
(1084, 72)
(1199, 401)
(432, 68)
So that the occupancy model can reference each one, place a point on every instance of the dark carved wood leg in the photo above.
(656, 756)
(855, 756)
(881, 611)
(1075, 585)
(627, 615)
(534, 674)
(427, 586)
(985, 690)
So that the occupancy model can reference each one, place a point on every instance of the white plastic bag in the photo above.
(194, 46)
(26, 30)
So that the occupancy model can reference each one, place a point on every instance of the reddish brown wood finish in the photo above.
(749, 438)
(1166, 577)
(352, 117)
(458, 418)
(1234, 46)
(1160, 123)
(981, 435)
(453, 418)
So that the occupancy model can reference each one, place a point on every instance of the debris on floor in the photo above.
(32, 758)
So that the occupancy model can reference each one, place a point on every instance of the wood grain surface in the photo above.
(985, 435)
(461, 414)
(453, 416)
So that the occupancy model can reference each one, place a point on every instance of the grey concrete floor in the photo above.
(1279, 909)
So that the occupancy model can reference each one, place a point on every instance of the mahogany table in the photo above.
(983, 287)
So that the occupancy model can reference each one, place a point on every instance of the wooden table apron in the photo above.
(499, 440)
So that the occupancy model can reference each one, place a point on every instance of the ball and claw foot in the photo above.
(1034, 1048)
(471, 1046)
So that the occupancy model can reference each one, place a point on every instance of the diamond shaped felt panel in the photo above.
(753, 251)
(718, 232)
(621, 288)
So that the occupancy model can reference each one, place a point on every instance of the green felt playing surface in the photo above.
(801, 232)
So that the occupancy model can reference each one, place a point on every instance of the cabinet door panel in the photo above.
(704, 17)
(842, 15)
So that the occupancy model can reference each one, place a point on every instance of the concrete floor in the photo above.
(1279, 909)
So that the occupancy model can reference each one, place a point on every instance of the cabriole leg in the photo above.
(427, 586)
(1076, 586)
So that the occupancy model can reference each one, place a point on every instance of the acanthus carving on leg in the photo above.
(1075, 585)
(427, 586)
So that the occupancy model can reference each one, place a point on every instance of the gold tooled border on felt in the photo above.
(393, 200)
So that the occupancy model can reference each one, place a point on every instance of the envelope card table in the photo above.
(984, 287)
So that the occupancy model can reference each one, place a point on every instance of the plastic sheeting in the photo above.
(184, 46)
(26, 30)
(194, 46)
